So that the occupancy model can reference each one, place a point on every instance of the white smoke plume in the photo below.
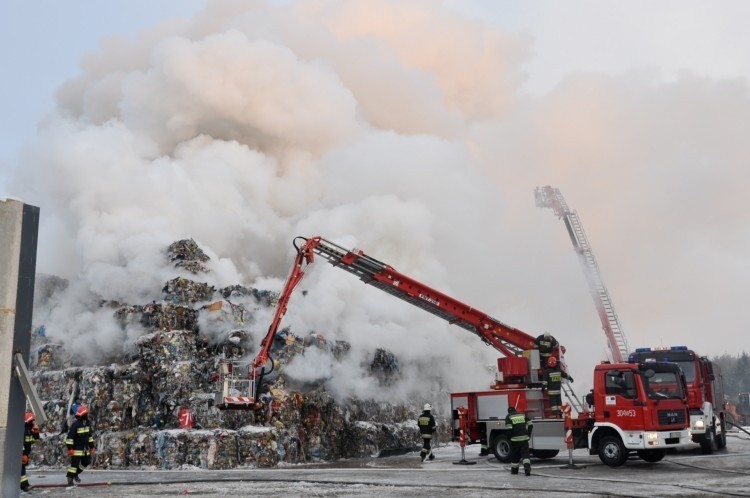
(397, 127)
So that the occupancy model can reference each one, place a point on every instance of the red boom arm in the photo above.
(506, 339)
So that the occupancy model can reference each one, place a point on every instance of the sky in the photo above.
(413, 130)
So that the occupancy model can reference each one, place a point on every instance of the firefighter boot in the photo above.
(71, 484)
(514, 470)
(527, 469)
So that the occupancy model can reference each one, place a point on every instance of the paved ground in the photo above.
(687, 473)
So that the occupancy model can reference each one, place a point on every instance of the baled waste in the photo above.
(154, 406)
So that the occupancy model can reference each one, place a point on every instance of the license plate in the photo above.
(675, 434)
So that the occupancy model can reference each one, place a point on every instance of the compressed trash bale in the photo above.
(186, 254)
(384, 367)
(257, 446)
(159, 316)
(181, 290)
(262, 297)
(113, 451)
(225, 314)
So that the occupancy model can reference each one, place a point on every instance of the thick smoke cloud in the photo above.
(399, 128)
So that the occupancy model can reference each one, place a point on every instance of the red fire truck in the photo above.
(705, 392)
(636, 408)
(629, 413)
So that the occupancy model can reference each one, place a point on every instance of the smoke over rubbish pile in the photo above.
(396, 127)
(246, 126)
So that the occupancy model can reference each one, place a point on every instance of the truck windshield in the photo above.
(685, 359)
(660, 385)
(688, 368)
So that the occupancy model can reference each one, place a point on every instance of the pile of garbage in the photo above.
(186, 254)
(155, 409)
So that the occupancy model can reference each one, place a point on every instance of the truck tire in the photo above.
(652, 456)
(707, 443)
(501, 447)
(721, 439)
(545, 454)
(612, 452)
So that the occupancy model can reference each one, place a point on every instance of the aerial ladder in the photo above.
(552, 198)
(241, 392)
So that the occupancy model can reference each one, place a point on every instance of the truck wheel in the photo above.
(721, 439)
(707, 443)
(545, 454)
(652, 456)
(612, 452)
(501, 448)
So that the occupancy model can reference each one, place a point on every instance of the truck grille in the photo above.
(670, 417)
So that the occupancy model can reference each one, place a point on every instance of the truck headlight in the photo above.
(652, 439)
(699, 425)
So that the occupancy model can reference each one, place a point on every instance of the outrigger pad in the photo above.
(464, 462)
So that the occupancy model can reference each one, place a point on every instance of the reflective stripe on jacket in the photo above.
(520, 427)
(80, 438)
(426, 423)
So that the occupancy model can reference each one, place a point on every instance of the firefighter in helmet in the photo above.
(521, 428)
(426, 423)
(546, 344)
(553, 379)
(30, 436)
(80, 443)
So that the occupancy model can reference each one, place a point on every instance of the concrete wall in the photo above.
(19, 227)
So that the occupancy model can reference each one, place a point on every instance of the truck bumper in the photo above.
(653, 440)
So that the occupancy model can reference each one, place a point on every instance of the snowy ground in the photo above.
(686, 473)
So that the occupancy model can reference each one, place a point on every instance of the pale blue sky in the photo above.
(41, 45)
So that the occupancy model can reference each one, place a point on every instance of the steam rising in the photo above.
(395, 127)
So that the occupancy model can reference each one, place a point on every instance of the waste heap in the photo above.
(153, 408)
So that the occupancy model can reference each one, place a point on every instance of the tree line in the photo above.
(736, 372)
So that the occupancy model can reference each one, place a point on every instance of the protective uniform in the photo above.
(80, 443)
(521, 428)
(553, 379)
(546, 344)
(484, 450)
(426, 423)
(30, 436)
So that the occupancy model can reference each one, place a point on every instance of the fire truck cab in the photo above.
(705, 393)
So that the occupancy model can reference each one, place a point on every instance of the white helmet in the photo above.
(427, 407)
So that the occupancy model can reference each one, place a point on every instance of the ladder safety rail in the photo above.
(571, 395)
(552, 198)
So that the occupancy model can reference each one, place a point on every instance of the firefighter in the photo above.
(484, 450)
(80, 443)
(521, 428)
(30, 436)
(546, 344)
(553, 378)
(426, 423)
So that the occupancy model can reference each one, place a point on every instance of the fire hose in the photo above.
(737, 426)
